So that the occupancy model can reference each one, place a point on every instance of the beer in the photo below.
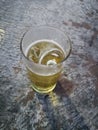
(46, 53)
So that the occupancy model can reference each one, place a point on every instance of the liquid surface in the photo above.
(46, 53)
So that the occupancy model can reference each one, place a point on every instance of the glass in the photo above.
(45, 50)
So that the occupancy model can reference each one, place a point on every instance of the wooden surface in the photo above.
(73, 105)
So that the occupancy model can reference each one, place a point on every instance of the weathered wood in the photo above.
(73, 105)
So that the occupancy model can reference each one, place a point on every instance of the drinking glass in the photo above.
(45, 50)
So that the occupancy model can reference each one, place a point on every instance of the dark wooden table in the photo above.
(73, 105)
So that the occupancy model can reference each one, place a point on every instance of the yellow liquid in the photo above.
(46, 53)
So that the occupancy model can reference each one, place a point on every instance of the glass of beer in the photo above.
(45, 50)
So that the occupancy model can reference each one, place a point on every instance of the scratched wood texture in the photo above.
(73, 105)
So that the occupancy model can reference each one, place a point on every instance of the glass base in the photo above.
(43, 91)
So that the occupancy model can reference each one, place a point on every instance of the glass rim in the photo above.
(50, 27)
